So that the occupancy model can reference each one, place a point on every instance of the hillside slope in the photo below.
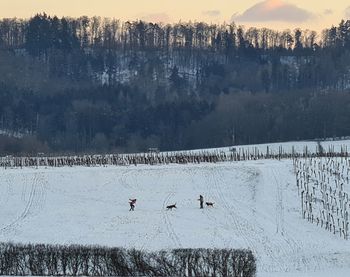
(256, 206)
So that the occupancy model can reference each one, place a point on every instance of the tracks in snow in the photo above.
(287, 240)
(252, 238)
(169, 226)
(4, 197)
(34, 202)
(279, 205)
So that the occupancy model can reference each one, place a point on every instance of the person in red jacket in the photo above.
(132, 203)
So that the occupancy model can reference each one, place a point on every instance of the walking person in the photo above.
(201, 201)
(132, 203)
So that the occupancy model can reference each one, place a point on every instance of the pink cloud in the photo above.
(274, 10)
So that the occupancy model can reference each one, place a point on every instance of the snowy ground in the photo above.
(256, 206)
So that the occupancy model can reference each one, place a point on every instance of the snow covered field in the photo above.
(256, 206)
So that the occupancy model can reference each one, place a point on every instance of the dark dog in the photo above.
(211, 204)
(170, 207)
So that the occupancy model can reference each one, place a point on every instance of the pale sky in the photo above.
(276, 14)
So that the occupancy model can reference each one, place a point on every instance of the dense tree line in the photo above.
(107, 49)
(99, 84)
(76, 260)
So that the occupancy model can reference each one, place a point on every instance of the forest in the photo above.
(92, 84)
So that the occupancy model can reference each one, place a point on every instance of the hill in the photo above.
(256, 206)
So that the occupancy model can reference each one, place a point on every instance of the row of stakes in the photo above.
(322, 184)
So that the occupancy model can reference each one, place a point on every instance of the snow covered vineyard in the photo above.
(323, 186)
(259, 204)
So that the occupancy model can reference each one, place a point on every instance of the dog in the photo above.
(170, 207)
(211, 204)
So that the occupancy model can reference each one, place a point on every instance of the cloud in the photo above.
(347, 12)
(328, 12)
(156, 17)
(212, 13)
(274, 10)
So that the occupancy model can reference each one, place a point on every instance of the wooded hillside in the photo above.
(101, 85)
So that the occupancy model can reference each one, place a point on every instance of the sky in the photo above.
(276, 14)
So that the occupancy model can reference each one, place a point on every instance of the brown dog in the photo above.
(170, 207)
(211, 204)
